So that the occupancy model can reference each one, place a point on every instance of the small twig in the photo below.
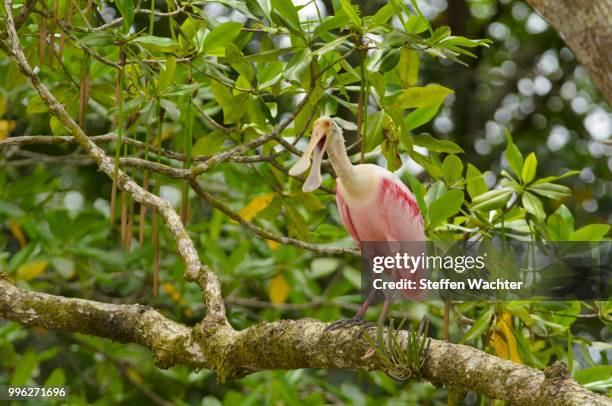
(265, 234)
(67, 160)
(166, 170)
(212, 121)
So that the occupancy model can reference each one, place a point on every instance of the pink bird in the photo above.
(374, 203)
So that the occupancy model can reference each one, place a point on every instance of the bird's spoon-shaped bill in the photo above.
(314, 178)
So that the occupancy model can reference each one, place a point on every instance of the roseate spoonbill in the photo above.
(374, 203)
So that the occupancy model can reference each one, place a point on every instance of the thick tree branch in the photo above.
(124, 323)
(287, 344)
(586, 27)
(195, 272)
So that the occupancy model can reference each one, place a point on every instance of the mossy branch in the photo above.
(291, 344)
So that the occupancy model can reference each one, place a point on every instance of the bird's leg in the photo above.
(365, 305)
(357, 320)
(385, 311)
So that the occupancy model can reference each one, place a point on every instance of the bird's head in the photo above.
(325, 131)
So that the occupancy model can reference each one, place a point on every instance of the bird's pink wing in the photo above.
(404, 222)
(346, 217)
(401, 212)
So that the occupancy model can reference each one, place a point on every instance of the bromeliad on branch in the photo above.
(373, 202)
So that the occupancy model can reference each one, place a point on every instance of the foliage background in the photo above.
(54, 212)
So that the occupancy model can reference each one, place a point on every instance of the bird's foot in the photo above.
(348, 323)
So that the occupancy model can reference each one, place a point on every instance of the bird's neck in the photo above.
(342, 164)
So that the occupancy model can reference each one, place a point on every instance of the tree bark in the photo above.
(287, 344)
(586, 27)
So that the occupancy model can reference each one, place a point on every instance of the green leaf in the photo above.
(465, 42)
(269, 74)
(297, 65)
(269, 55)
(209, 144)
(434, 145)
(558, 229)
(56, 378)
(592, 232)
(533, 205)
(240, 65)
(567, 216)
(170, 108)
(390, 59)
(419, 192)
(156, 43)
(331, 23)
(189, 29)
(418, 97)
(555, 178)
(432, 166)
(418, 117)
(452, 169)
(288, 13)
(434, 192)
(221, 93)
(529, 168)
(126, 8)
(352, 275)
(57, 127)
(416, 24)
(374, 130)
(330, 46)
(167, 74)
(597, 378)
(440, 34)
(236, 108)
(347, 7)
(24, 369)
(551, 190)
(377, 80)
(97, 39)
(475, 182)
(513, 156)
(480, 326)
(394, 160)
(182, 89)
(493, 199)
(220, 36)
(36, 105)
(445, 206)
(297, 225)
(408, 67)
(383, 14)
